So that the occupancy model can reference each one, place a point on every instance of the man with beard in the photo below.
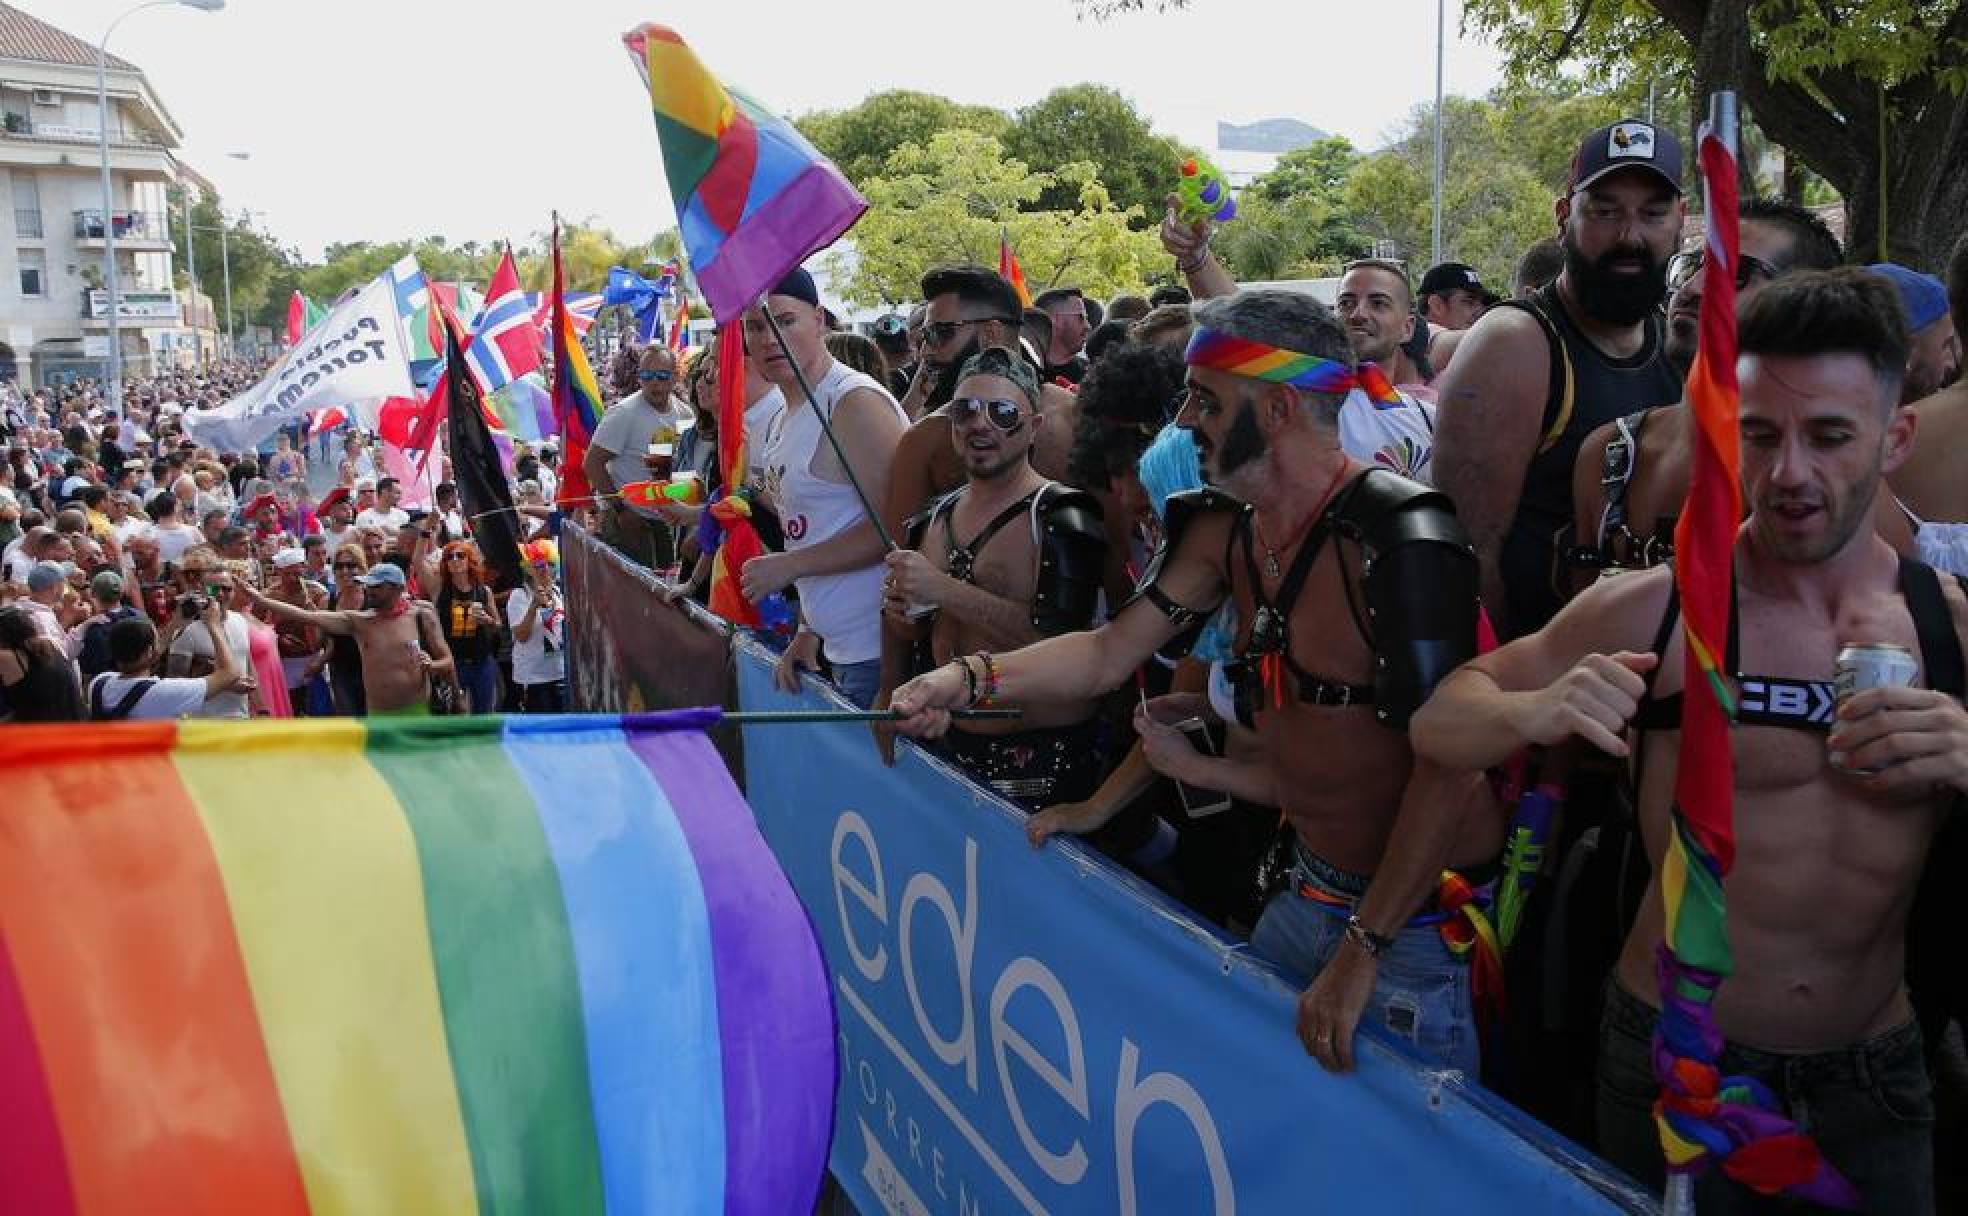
(400, 640)
(1834, 810)
(1535, 376)
(1067, 309)
(1933, 349)
(1632, 473)
(1008, 558)
(1329, 551)
(967, 309)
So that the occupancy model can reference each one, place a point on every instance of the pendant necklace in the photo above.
(1273, 569)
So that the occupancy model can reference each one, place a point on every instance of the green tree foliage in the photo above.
(861, 139)
(946, 201)
(1295, 221)
(1822, 80)
(1090, 122)
(256, 260)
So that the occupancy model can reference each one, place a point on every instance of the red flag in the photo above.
(740, 542)
(296, 317)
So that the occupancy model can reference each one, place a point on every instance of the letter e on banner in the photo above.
(1069, 1167)
(871, 896)
(924, 888)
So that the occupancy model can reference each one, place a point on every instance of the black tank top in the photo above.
(1601, 389)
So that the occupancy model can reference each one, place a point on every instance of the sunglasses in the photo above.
(1685, 266)
(660, 377)
(456, 557)
(347, 566)
(1003, 414)
(940, 332)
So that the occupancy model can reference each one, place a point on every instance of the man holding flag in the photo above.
(1830, 829)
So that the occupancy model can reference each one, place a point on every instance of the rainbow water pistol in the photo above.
(686, 489)
(1203, 194)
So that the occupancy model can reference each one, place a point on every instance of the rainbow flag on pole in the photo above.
(1704, 1117)
(753, 198)
(452, 965)
(577, 403)
(1009, 270)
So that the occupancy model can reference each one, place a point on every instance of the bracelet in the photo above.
(989, 692)
(1193, 267)
(970, 681)
(1366, 939)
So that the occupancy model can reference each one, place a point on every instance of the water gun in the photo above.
(1203, 194)
(687, 490)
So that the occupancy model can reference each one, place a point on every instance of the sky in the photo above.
(475, 119)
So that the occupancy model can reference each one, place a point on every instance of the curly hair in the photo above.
(1125, 401)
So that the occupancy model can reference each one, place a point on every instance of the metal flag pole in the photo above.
(827, 427)
(790, 717)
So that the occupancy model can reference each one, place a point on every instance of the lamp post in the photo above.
(115, 398)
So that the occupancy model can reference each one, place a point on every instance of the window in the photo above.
(33, 273)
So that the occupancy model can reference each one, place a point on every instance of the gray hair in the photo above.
(1290, 320)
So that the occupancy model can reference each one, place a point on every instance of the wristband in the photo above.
(1366, 939)
(1193, 266)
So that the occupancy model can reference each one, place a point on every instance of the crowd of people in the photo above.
(1296, 602)
(149, 576)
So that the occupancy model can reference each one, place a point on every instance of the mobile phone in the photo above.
(1199, 803)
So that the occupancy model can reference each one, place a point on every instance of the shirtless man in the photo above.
(1648, 475)
(1009, 558)
(1826, 857)
(401, 644)
(1374, 828)
(1930, 482)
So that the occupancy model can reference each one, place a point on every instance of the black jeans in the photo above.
(1869, 1106)
(543, 698)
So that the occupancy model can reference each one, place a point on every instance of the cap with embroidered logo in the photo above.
(1627, 144)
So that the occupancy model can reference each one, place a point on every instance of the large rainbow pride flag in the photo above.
(456, 965)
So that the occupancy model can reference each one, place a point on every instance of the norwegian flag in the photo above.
(505, 342)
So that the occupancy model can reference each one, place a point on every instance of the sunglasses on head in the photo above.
(940, 332)
(661, 377)
(1685, 266)
(1003, 414)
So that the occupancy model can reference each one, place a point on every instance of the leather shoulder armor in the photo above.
(1420, 577)
(1181, 513)
(916, 526)
(1072, 548)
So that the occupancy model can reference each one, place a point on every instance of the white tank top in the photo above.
(1942, 546)
(844, 609)
(1398, 437)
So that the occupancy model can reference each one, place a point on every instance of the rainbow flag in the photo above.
(1704, 1117)
(333, 965)
(577, 403)
(753, 198)
(1010, 271)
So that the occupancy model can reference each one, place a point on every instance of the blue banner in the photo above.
(1038, 1032)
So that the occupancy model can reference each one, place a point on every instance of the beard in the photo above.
(1611, 296)
(1243, 443)
(1845, 515)
(946, 375)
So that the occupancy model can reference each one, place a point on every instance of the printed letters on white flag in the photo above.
(355, 354)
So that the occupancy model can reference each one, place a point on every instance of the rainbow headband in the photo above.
(1223, 352)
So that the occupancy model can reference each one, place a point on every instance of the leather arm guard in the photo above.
(1072, 545)
(1182, 510)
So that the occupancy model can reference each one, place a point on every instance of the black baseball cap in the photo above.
(1445, 277)
(1627, 144)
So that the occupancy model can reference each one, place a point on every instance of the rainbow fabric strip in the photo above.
(453, 965)
(1704, 1117)
(1223, 352)
(753, 198)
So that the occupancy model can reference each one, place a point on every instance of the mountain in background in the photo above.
(1274, 135)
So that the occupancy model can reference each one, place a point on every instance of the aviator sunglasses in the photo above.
(1003, 414)
(1684, 266)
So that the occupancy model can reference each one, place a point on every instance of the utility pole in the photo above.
(1441, 33)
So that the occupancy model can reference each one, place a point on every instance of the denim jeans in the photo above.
(480, 680)
(1421, 991)
(858, 682)
(1869, 1106)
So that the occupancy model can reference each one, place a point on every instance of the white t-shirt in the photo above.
(760, 416)
(394, 518)
(196, 643)
(18, 563)
(627, 428)
(337, 537)
(174, 539)
(542, 657)
(180, 698)
(1397, 437)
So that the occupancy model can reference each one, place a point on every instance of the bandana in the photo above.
(1223, 352)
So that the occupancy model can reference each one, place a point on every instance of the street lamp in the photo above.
(109, 217)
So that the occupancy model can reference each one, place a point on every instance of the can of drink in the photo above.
(1863, 665)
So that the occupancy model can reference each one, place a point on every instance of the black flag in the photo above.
(482, 488)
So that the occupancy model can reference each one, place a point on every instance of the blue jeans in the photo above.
(1869, 1106)
(1421, 991)
(480, 680)
(858, 682)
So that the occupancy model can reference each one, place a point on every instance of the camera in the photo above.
(191, 607)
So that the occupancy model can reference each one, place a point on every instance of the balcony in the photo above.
(27, 223)
(136, 229)
(21, 127)
(138, 307)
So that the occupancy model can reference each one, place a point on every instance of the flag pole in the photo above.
(827, 428)
(790, 717)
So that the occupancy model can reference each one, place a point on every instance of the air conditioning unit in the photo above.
(47, 97)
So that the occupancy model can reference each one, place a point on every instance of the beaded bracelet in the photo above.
(989, 692)
(970, 680)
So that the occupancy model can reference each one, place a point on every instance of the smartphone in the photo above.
(1199, 803)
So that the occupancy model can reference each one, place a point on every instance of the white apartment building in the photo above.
(53, 309)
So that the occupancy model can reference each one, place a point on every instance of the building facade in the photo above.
(54, 220)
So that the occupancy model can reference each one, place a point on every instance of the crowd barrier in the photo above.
(1039, 1032)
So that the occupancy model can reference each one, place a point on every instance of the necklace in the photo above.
(1272, 568)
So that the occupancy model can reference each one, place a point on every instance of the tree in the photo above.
(1090, 122)
(1847, 88)
(1319, 168)
(947, 200)
(861, 139)
(255, 260)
